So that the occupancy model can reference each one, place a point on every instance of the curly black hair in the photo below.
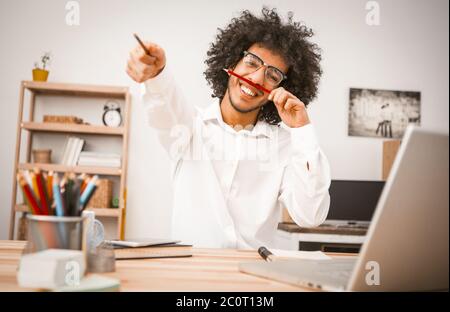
(289, 40)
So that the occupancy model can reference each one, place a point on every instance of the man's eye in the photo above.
(252, 64)
(272, 78)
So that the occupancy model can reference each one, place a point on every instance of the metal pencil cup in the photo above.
(46, 232)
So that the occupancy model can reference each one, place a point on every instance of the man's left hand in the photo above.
(291, 110)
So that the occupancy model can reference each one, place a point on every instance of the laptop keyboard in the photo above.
(322, 274)
(335, 272)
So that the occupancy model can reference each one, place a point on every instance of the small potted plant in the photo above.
(39, 72)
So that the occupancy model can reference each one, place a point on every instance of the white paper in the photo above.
(299, 254)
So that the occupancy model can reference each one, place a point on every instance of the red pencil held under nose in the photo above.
(257, 86)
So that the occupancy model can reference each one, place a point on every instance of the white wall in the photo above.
(408, 51)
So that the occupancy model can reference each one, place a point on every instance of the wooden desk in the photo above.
(207, 270)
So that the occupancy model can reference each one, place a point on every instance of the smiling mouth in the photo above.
(247, 91)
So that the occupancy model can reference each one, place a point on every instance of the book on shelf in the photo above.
(65, 151)
(77, 151)
(72, 151)
(96, 159)
(64, 156)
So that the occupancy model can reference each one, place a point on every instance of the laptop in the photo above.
(407, 242)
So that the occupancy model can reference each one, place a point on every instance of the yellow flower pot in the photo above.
(40, 74)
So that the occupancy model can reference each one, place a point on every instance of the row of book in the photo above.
(72, 151)
(73, 155)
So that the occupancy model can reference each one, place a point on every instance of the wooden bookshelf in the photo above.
(54, 88)
(106, 212)
(27, 129)
(75, 169)
(71, 128)
(99, 212)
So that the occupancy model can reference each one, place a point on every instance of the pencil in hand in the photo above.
(142, 44)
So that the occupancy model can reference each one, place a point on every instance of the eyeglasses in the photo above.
(273, 75)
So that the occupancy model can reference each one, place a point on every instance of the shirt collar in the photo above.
(213, 112)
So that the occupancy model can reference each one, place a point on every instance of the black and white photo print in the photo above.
(382, 113)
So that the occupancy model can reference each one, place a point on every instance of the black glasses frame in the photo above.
(283, 75)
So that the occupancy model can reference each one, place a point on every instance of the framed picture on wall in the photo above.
(382, 113)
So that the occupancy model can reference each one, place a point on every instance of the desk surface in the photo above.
(207, 270)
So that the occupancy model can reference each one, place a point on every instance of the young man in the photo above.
(248, 154)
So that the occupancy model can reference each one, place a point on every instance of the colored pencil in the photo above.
(50, 186)
(90, 189)
(84, 184)
(34, 185)
(68, 195)
(57, 196)
(42, 189)
(63, 180)
(33, 205)
(76, 198)
(25, 197)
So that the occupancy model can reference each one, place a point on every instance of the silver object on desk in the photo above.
(101, 259)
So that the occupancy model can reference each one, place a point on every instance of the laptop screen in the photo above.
(354, 200)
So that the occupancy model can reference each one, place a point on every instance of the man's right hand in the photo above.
(141, 66)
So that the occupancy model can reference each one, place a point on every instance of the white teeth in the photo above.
(247, 90)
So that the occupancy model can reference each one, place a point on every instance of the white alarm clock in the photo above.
(111, 114)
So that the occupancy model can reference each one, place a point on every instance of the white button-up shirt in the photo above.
(230, 186)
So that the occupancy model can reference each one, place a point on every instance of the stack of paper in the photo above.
(95, 159)
(72, 151)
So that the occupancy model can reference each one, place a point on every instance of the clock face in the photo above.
(112, 118)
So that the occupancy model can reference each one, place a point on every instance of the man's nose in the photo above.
(258, 76)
